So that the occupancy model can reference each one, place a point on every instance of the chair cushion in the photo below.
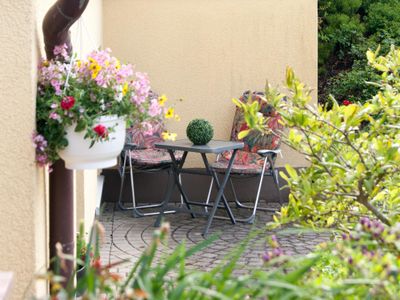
(247, 161)
(153, 157)
(252, 168)
(138, 136)
(256, 140)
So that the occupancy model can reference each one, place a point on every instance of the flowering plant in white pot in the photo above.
(91, 98)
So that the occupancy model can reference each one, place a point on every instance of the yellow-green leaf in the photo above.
(243, 134)
(330, 221)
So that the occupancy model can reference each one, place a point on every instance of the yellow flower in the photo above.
(169, 136)
(170, 113)
(95, 68)
(94, 74)
(125, 89)
(78, 63)
(172, 136)
(165, 135)
(162, 99)
(92, 61)
(118, 65)
(177, 117)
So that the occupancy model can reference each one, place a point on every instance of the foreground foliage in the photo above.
(358, 266)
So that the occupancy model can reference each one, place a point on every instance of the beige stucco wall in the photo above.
(208, 51)
(23, 186)
(22, 202)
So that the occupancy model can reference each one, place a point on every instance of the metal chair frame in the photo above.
(269, 156)
(136, 209)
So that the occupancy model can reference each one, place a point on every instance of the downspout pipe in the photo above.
(56, 24)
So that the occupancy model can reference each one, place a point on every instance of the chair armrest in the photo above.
(265, 152)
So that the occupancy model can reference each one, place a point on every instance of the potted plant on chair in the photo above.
(83, 107)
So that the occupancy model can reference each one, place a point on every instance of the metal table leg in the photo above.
(167, 197)
(215, 178)
(175, 181)
(220, 193)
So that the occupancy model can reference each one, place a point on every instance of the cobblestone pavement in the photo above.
(128, 237)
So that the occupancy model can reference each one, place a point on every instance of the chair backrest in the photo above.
(137, 135)
(255, 140)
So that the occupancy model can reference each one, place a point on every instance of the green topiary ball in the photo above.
(199, 131)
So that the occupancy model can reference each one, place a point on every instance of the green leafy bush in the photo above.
(347, 29)
(353, 150)
(354, 172)
(347, 84)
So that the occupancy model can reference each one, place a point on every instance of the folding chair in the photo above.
(258, 156)
(138, 156)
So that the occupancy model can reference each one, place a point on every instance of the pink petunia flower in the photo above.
(155, 108)
(61, 50)
(54, 116)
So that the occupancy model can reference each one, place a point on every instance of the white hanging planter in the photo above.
(103, 154)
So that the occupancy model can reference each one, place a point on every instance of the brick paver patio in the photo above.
(128, 237)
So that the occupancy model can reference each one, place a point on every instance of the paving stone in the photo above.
(128, 237)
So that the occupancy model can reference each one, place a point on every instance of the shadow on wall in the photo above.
(151, 188)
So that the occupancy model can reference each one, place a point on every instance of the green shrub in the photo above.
(352, 85)
(347, 29)
(354, 172)
(353, 150)
(383, 17)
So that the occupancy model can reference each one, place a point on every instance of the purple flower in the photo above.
(277, 252)
(41, 159)
(350, 260)
(40, 144)
(266, 257)
(364, 221)
(61, 50)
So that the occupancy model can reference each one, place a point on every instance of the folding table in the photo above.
(215, 147)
